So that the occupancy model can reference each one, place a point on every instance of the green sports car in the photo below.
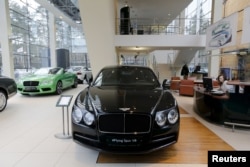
(47, 80)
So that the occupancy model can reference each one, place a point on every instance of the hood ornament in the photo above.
(124, 109)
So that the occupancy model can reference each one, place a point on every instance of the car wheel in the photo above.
(3, 100)
(75, 83)
(59, 88)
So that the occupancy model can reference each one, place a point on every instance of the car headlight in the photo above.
(161, 118)
(46, 82)
(80, 114)
(88, 118)
(173, 116)
(77, 115)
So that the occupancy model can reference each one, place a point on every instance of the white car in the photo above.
(82, 72)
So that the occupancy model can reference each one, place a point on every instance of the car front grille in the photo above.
(124, 123)
(30, 83)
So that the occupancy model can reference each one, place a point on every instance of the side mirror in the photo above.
(166, 84)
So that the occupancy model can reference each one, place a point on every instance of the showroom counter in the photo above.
(230, 107)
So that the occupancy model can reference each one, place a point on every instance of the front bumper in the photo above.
(125, 143)
(36, 89)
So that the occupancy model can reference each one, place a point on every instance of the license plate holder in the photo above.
(30, 88)
(123, 141)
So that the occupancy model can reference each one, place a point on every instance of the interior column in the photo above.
(98, 19)
(5, 40)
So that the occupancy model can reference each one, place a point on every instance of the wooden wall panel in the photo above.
(233, 6)
(229, 61)
(236, 6)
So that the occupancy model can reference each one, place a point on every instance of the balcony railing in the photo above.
(178, 26)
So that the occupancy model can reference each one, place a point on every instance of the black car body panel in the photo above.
(125, 115)
(8, 88)
(9, 85)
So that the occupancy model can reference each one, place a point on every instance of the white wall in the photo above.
(166, 41)
(164, 56)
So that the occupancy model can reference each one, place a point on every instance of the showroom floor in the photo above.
(29, 124)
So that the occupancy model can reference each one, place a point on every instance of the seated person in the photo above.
(222, 83)
(224, 86)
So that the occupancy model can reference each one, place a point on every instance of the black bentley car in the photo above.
(8, 88)
(125, 110)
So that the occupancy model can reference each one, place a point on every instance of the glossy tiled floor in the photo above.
(29, 124)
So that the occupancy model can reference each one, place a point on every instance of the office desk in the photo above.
(231, 107)
(244, 85)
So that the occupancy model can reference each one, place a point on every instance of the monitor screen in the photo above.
(197, 68)
(208, 83)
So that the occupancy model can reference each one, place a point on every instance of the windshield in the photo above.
(76, 68)
(126, 76)
(43, 71)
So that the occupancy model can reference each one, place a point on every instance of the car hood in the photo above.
(33, 77)
(128, 100)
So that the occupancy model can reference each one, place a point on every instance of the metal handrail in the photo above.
(135, 26)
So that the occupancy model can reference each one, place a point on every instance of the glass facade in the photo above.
(30, 34)
(30, 38)
(199, 15)
(30, 42)
(72, 39)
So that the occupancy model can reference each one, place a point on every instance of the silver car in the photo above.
(82, 73)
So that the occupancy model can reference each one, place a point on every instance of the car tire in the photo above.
(59, 88)
(75, 83)
(3, 100)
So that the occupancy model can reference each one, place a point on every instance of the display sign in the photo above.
(246, 26)
(222, 33)
(64, 101)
